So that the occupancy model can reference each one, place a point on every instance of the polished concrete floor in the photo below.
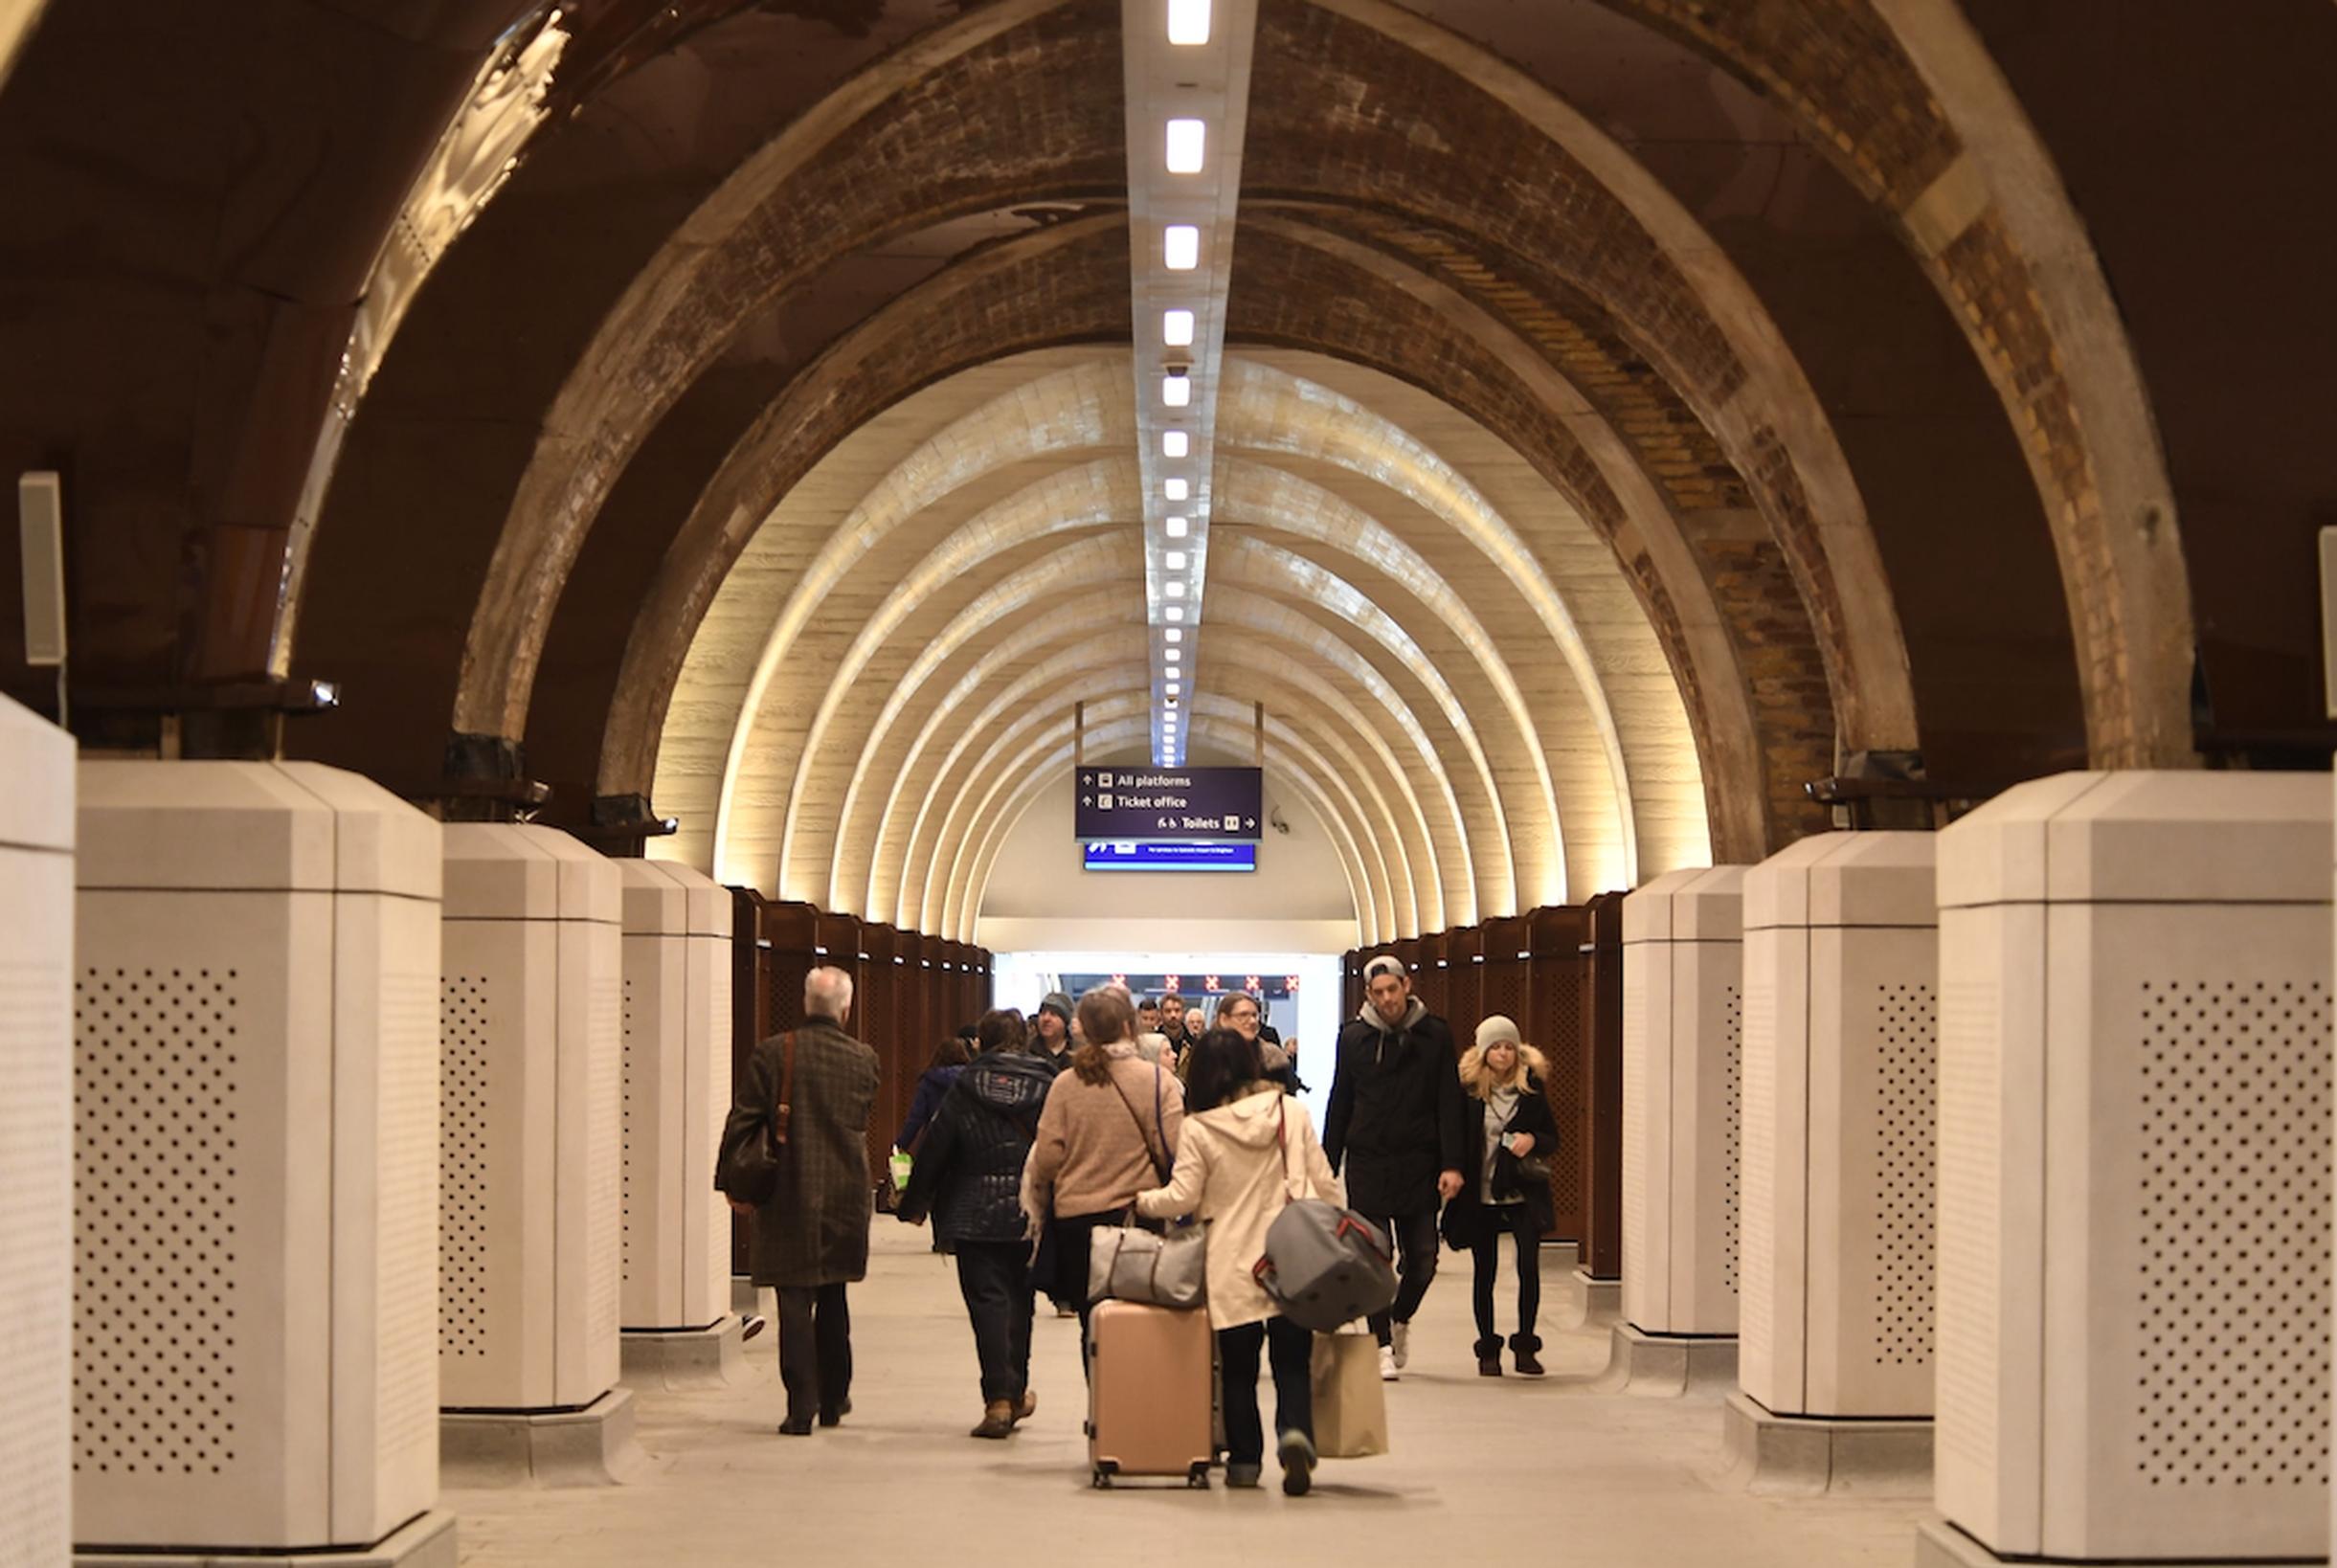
(1483, 1471)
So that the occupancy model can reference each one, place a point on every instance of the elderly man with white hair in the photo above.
(811, 1239)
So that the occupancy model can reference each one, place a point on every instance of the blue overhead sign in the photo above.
(1134, 803)
(1125, 856)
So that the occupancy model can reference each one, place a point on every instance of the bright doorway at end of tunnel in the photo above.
(1300, 992)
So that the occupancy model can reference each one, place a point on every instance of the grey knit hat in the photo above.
(1058, 1003)
(1497, 1031)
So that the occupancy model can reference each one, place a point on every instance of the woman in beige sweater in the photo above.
(1109, 1130)
(1248, 1151)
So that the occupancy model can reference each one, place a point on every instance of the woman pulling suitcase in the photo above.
(1246, 1150)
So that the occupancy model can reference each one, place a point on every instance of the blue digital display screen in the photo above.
(1125, 855)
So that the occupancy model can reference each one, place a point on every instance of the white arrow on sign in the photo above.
(1087, 800)
(1249, 821)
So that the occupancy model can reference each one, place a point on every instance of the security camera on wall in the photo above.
(1273, 819)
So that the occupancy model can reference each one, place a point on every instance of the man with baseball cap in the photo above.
(1396, 1126)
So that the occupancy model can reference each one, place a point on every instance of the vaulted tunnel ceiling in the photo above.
(1629, 410)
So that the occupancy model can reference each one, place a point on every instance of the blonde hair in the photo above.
(1479, 1080)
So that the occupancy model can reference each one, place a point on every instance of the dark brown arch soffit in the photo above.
(1020, 102)
(1999, 238)
(1347, 114)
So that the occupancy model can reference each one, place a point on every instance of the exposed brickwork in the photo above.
(1033, 114)
(1062, 285)
(1341, 113)
(1835, 67)
(1289, 295)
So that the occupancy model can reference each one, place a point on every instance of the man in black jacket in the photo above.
(1396, 1126)
(968, 1178)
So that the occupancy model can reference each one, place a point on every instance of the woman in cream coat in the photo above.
(1247, 1150)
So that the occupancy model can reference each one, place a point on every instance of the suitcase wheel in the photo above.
(1197, 1477)
(1101, 1479)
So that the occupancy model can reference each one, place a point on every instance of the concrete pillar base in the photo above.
(589, 1448)
(1666, 1365)
(1808, 1456)
(1938, 1544)
(425, 1542)
(708, 1358)
(1602, 1300)
(746, 1296)
(1561, 1256)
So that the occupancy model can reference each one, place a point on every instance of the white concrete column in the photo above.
(2135, 1171)
(675, 1304)
(1841, 965)
(256, 1092)
(530, 1156)
(1683, 963)
(35, 1139)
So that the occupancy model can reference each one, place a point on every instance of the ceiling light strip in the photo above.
(1187, 70)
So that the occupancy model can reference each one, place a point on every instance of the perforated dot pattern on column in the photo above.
(1906, 1165)
(159, 1075)
(631, 1265)
(2232, 1386)
(1732, 1127)
(464, 1088)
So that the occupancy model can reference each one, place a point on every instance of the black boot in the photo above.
(1524, 1347)
(1488, 1356)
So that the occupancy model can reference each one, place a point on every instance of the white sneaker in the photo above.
(1388, 1365)
(1401, 1334)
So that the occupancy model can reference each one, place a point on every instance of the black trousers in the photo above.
(1514, 1221)
(995, 1278)
(1291, 1351)
(1416, 1241)
(1072, 1242)
(814, 1349)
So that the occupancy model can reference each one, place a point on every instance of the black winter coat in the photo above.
(1396, 1112)
(1465, 1215)
(968, 1176)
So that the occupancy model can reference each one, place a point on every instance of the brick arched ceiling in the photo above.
(1627, 402)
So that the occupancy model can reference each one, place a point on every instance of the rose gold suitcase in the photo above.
(1149, 1390)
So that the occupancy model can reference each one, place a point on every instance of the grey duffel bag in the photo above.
(1325, 1265)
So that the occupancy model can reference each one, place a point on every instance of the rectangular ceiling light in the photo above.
(1181, 247)
(1188, 22)
(1174, 689)
(1176, 591)
(1176, 329)
(1174, 613)
(1175, 443)
(1176, 390)
(1172, 656)
(1174, 560)
(1177, 526)
(1178, 490)
(1188, 141)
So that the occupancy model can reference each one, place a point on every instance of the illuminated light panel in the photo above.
(1188, 143)
(1176, 390)
(1175, 489)
(1176, 527)
(1174, 612)
(1174, 689)
(1175, 443)
(1173, 634)
(1176, 329)
(1188, 23)
(1174, 560)
(1173, 655)
(1181, 247)
(1176, 591)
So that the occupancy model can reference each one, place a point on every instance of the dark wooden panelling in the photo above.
(1602, 1088)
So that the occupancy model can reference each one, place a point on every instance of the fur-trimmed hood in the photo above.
(1474, 1078)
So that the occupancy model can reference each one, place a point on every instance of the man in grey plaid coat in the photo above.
(812, 1237)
